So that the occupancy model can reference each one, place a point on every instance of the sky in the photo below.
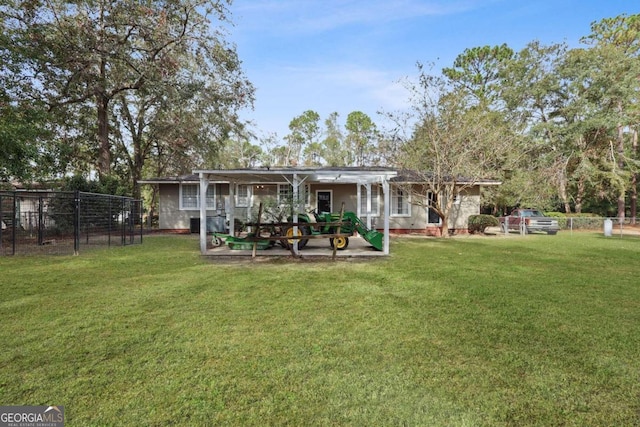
(352, 55)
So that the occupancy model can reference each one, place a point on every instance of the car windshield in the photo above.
(532, 213)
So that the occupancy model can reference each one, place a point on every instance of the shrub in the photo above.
(560, 216)
(577, 221)
(479, 223)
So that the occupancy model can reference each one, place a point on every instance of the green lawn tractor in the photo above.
(313, 223)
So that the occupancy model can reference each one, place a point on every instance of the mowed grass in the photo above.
(491, 331)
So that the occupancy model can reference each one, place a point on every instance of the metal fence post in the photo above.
(1, 222)
(40, 222)
(141, 218)
(123, 240)
(13, 220)
(110, 222)
(76, 222)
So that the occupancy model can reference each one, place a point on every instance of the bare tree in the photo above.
(451, 146)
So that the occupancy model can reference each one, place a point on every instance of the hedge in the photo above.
(479, 223)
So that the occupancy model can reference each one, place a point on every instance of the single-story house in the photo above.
(377, 195)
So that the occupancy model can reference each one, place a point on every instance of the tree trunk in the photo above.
(446, 210)
(579, 196)
(136, 175)
(444, 229)
(634, 180)
(562, 191)
(104, 148)
(621, 196)
(138, 164)
(102, 102)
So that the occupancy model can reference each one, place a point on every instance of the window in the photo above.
(243, 195)
(285, 194)
(400, 205)
(190, 196)
(375, 200)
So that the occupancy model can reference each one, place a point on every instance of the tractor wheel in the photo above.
(339, 242)
(216, 241)
(301, 242)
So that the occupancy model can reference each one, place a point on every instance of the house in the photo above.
(377, 195)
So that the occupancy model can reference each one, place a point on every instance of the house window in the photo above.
(285, 194)
(190, 196)
(375, 200)
(243, 196)
(400, 202)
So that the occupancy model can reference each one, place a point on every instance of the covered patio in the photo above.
(362, 178)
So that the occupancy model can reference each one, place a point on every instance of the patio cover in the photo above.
(296, 177)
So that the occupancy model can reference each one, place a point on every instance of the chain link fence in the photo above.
(63, 222)
(610, 226)
(614, 225)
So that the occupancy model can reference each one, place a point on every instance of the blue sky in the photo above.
(350, 55)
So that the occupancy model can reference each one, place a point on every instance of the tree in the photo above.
(610, 81)
(332, 146)
(20, 127)
(96, 53)
(536, 98)
(240, 153)
(361, 132)
(313, 154)
(477, 72)
(180, 118)
(304, 131)
(452, 147)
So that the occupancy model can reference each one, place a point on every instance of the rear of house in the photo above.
(238, 198)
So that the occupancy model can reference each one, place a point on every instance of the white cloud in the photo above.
(286, 92)
(310, 16)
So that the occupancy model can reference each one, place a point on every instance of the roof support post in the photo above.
(387, 213)
(359, 199)
(204, 183)
(368, 187)
(295, 184)
(232, 208)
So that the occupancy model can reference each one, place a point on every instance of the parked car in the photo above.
(531, 220)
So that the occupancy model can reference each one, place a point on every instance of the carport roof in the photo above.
(339, 175)
(272, 175)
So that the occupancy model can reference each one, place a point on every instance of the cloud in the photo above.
(313, 16)
(286, 92)
(338, 82)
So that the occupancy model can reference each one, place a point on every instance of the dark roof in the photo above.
(409, 176)
(336, 174)
(170, 179)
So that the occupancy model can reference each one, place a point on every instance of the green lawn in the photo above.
(536, 330)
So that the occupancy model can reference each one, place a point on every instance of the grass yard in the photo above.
(519, 331)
